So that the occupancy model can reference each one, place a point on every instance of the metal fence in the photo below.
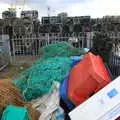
(114, 65)
(26, 48)
(5, 54)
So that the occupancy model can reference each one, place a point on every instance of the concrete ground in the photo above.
(18, 64)
(12, 71)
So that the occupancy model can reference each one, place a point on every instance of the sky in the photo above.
(94, 8)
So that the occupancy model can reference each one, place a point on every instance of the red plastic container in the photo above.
(86, 78)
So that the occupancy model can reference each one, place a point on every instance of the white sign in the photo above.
(104, 105)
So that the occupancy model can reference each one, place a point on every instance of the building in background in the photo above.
(33, 14)
(51, 20)
(112, 19)
(63, 16)
(29, 23)
(81, 20)
(9, 14)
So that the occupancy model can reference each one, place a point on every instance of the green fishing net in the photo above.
(54, 65)
(37, 80)
(59, 49)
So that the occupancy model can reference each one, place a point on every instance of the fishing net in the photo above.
(54, 65)
(9, 94)
(59, 49)
(37, 80)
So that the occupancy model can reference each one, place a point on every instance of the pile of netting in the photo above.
(59, 49)
(54, 65)
(10, 95)
(38, 80)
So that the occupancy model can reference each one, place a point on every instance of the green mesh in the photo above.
(54, 65)
(38, 80)
(59, 49)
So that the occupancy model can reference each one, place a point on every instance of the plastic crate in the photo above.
(86, 78)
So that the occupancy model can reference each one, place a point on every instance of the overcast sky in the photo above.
(95, 8)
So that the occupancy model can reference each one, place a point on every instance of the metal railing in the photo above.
(26, 46)
(5, 53)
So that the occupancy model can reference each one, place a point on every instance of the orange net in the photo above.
(9, 94)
